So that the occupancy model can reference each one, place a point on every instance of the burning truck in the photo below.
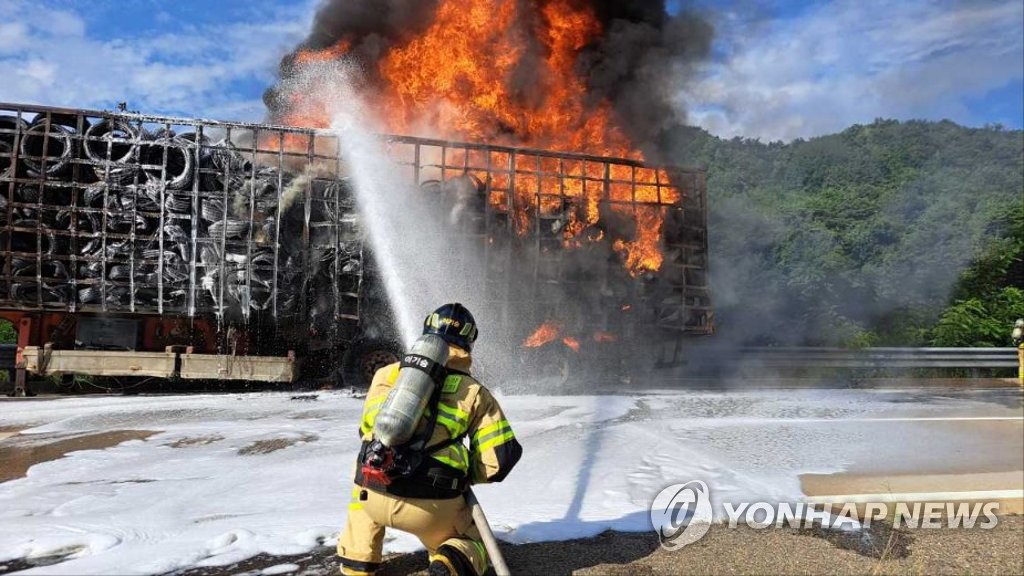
(143, 246)
(139, 245)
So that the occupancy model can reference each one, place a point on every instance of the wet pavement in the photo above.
(19, 452)
(912, 440)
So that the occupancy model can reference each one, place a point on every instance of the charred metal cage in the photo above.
(131, 214)
(530, 199)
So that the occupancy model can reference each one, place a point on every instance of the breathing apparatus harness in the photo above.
(382, 464)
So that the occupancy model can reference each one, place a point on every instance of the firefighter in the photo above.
(477, 446)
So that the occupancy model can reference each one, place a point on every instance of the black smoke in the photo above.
(643, 59)
(371, 26)
(641, 62)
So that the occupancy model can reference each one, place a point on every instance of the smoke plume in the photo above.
(642, 57)
(590, 76)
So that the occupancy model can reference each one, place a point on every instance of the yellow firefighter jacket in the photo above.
(487, 448)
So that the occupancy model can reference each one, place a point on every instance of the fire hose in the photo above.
(490, 542)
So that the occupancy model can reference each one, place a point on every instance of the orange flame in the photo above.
(605, 337)
(572, 343)
(544, 334)
(454, 80)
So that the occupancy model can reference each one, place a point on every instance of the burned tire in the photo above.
(364, 357)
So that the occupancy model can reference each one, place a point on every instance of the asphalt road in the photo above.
(975, 454)
(932, 443)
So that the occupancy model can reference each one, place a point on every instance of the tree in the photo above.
(865, 236)
(8, 335)
(980, 322)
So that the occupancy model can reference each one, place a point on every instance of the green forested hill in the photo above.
(893, 233)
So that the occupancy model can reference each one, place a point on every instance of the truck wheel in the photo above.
(364, 357)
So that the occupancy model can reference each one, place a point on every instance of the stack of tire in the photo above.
(111, 216)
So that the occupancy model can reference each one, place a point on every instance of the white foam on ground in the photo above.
(279, 569)
(591, 463)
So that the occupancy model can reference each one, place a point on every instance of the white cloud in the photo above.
(62, 24)
(40, 72)
(852, 61)
(50, 57)
(13, 37)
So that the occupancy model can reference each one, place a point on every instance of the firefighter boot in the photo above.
(448, 561)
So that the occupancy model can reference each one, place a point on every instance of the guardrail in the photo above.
(972, 358)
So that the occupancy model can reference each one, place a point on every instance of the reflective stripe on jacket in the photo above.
(466, 409)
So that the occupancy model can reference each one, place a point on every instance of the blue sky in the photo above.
(781, 70)
(796, 69)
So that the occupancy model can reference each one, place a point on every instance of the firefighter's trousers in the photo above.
(434, 522)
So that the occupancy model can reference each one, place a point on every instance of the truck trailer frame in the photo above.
(125, 233)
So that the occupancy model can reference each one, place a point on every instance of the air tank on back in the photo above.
(397, 420)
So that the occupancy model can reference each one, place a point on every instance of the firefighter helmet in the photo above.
(454, 324)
